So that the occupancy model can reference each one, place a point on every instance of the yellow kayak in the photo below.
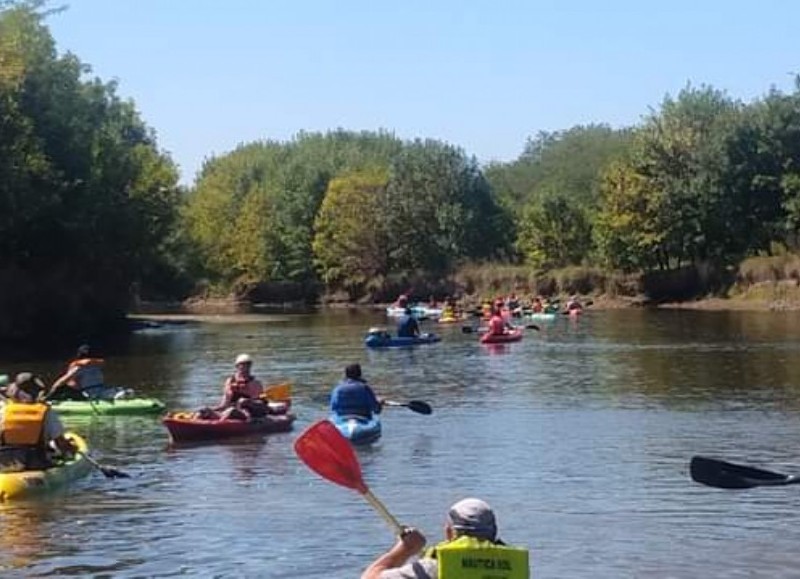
(33, 483)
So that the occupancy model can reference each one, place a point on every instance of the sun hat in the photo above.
(243, 359)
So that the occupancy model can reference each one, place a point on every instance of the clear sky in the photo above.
(210, 74)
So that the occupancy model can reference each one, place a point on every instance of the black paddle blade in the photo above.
(533, 327)
(466, 329)
(726, 475)
(113, 473)
(420, 407)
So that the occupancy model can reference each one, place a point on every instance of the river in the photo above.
(579, 437)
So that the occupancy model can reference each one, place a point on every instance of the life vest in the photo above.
(471, 558)
(23, 424)
(89, 373)
(238, 387)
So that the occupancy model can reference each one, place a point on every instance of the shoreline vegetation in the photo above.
(695, 206)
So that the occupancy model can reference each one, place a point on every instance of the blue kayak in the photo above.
(358, 429)
(382, 339)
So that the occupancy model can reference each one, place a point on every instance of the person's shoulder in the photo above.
(422, 569)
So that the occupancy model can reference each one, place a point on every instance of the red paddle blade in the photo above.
(329, 454)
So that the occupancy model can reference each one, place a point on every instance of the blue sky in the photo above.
(208, 75)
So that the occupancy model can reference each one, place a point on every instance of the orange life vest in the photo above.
(23, 424)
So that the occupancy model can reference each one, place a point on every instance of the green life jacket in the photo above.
(470, 558)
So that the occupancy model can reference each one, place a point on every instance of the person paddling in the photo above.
(408, 326)
(83, 379)
(31, 434)
(470, 532)
(353, 396)
(241, 395)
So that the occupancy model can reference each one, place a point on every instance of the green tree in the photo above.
(554, 233)
(351, 239)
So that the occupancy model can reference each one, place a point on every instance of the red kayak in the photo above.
(510, 336)
(185, 427)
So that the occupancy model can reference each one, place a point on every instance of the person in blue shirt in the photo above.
(408, 326)
(353, 396)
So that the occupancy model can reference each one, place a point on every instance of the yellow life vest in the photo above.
(23, 424)
(471, 558)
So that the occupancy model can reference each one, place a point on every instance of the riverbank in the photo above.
(776, 296)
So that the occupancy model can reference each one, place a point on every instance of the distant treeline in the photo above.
(92, 216)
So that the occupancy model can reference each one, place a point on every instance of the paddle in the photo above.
(726, 475)
(278, 392)
(417, 406)
(106, 470)
(91, 402)
(329, 454)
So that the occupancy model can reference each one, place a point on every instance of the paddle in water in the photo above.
(107, 471)
(727, 475)
(329, 454)
(417, 406)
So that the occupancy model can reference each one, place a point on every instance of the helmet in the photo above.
(83, 351)
(243, 359)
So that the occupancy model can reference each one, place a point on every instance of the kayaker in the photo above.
(83, 379)
(408, 326)
(241, 396)
(574, 304)
(470, 536)
(31, 434)
(353, 396)
(497, 324)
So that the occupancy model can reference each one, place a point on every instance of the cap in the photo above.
(243, 359)
(473, 517)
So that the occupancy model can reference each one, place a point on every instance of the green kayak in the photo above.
(121, 407)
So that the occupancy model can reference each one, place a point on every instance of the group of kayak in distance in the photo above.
(498, 314)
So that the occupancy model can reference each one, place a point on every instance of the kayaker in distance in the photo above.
(31, 434)
(574, 304)
(498, 326)
(470, 541)
(408, 326)
(353, 396)
(241, 396)
(83, 379)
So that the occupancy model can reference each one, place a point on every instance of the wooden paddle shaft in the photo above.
(387, 516)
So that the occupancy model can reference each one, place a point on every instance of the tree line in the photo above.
(91, 213)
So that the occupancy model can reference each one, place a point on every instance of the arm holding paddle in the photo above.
(410, 543)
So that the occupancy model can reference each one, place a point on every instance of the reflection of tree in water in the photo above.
(26, 534)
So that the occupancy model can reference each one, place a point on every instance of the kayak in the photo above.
(449, 319)
(417, 311)
(358, 429)
(184, 427)
(542, 316)
(32, 483)
(385, 340)
(123, 406)
(511, 336)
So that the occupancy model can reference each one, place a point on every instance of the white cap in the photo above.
(243, 359)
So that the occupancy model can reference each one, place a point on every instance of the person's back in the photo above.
(408, 326)
(353, 396)
(497, 325)
(470, 536)
(27, 426)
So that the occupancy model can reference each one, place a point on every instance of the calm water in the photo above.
(579, 436)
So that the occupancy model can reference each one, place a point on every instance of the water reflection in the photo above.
(579, 435)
